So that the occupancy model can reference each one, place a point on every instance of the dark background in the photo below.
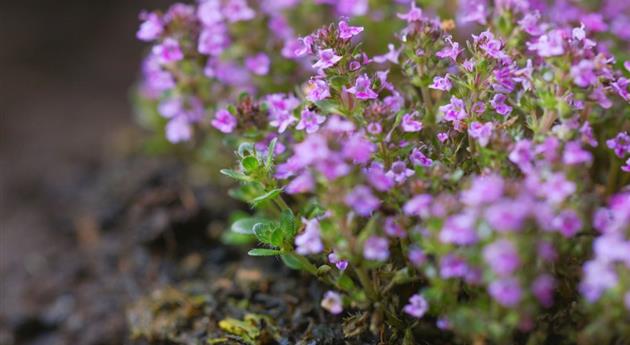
(66, 72)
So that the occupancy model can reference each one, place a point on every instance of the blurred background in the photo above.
(66, 71)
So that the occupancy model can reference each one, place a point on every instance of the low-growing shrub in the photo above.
(465, 176)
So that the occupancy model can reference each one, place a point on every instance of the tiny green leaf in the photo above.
(270, 195)
(250, 164)
(236, 175)
(246, 225)
(263, 252)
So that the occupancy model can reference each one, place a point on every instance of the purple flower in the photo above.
(309, 241)
(522, 154)
(460, 229)
(620, 144)
(418, 205)
(374, 128)
(483, 190)
(598, 277)
(340, 264)
(327, 58)
(481, 132)
(507, 215)
(451, 50)
(502, 257)
(442, 137)
(626, 167)
(529, 23)
(310, 121)
(352, 7)
(168, 51)
(358, 149)
(303, 183)
(258, 64)
(583, 73)
(237, 10)
(361, 88)
(393, 229)
(542, 288)
(317, 90)
(376, 248)
(224, 121)
(209, 12)
(498, 104)
(332, 167)
(491, 46)
(416, 256)
(506, 291)
(574, 154)
(399, 172)
(314, 148)
(213, 40)
(362, 200)
(546, 251)
(547, 45)
(346, 31)
(567, 223)
(503, 80)
(377, 177)
(151, 27)
(469, 65)
(414, 14)
(454, 111)
(281, 110)
(417, 306)
(557, 188)
(178, 129)
(441, 83)
(332, 302)
(452, 266)
(418, 158)
(409, 124)
(391, 55)
(621, 87)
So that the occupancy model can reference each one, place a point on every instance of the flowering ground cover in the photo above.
(452, 169)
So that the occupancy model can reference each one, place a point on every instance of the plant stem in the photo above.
(366, 283)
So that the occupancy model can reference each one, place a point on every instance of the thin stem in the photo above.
(366, 283)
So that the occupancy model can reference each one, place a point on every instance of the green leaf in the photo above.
(250, 164)
(270, 195)
(346, 282)
(246, 225)
(291, 262)
(263, 252)
(236, 175)
(245, 149)
(270, 152)
(288, 224)
(264, 232)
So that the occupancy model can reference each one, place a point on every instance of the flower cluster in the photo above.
(476, 186)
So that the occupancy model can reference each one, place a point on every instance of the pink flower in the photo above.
(361, 88)
(418, 158)
(213, 40)
(409, 124)
(168, 51)
(418, 206)
(224, 121)
(481, 132)
(327, 58)
(178, 129)
(303, 183)
(583, 73)
(209, 12)
(358, 149)
(498, 104)
(376, 248)
(346, 31)
(237, 10)
(502, 257)
(399, 172)
(151, 28)
(414, 14)
(442, 137)
(454, 111)
(377, 177)
(391, 55)
(317, 90)
(547, 45)
(310, 121)
(340, 264)
(441, 83)
(258, 64)
(451, 50)
(309, 241)
(417, 306)
(362, 201)
(332, 302)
